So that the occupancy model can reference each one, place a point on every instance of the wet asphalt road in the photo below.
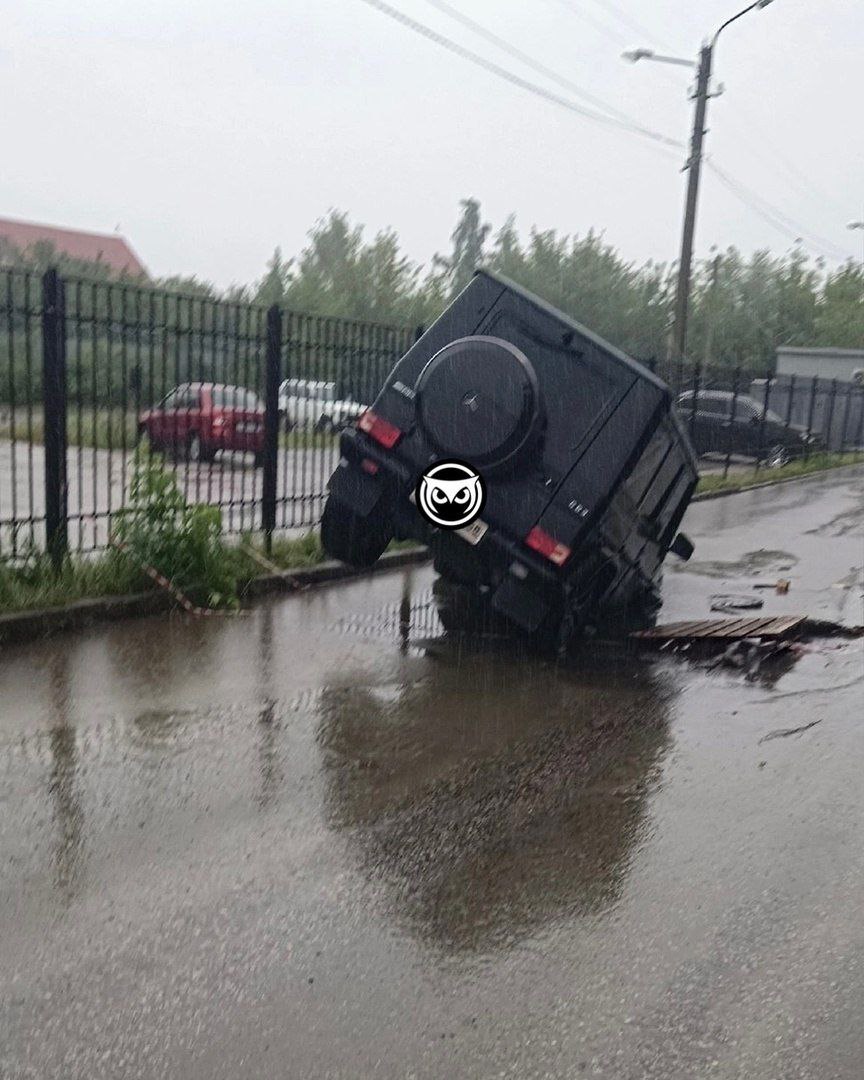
(320, 841)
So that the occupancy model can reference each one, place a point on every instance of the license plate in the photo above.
(474, 532)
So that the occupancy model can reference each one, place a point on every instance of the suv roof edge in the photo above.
(602, 343)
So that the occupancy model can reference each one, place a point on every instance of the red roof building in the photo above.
(109, 248)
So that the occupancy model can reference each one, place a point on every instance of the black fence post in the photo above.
(762, 420)
(54, 405)
(729, 427)
(694, 404)
(829, 422)
(814, 386)
(272, 379)
(859, 431)
(846, 417)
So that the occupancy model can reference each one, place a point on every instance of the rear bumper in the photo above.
(523, 586)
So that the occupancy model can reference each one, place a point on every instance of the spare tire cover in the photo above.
(478, 398)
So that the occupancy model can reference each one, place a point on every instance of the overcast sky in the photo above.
(211, 131)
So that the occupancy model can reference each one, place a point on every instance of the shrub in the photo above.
(159, 528)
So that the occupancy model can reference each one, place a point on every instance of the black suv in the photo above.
(715, 427)
(587, 468)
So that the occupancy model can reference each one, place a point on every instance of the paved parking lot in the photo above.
(98, 478)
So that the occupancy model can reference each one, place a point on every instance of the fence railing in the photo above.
(769, 420)
(244, 401)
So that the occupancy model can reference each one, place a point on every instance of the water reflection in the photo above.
(63, 782)
(495, 791)
(269, 770)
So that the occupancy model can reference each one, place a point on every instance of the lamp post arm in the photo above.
(755, 4)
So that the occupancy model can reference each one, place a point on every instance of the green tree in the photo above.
(468, 251)
(840, 313)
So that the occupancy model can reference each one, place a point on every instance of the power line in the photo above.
(517, 80)
(776, 218)
(598, 24)
(525, 58)
(627, 19)
(768, 151)
(761, 206)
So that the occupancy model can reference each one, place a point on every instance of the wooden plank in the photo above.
(747, 627)
(772, 626)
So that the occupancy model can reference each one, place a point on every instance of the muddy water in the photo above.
(321, 840)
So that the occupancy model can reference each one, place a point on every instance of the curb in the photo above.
(21, 626)
(704, 496)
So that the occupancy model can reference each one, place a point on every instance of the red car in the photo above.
(199, 419)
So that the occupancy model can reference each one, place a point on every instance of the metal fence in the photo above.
(91, 370)
(734, 417)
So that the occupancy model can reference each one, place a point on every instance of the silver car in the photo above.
(313, 404)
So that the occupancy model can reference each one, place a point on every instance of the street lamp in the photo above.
(693, 167)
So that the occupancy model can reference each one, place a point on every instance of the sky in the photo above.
(211, 132)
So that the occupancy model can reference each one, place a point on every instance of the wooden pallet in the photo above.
(768, 627)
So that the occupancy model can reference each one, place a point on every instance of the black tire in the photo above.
(324, 425)
(196, 451)
(776, 457)
(462, 609)
(352, 539)
(478, 400)
(466, 611)
(258, 460)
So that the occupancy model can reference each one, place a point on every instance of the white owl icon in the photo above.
(450, 494)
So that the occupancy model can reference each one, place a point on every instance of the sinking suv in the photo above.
(586, 467)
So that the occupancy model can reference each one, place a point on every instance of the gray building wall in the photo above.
(840, 364)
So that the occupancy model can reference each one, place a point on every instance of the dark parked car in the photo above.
(716, 428)
(587, 468)
(199, 419)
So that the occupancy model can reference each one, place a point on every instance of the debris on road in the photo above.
(779, 586)
(782, 733)
(735, 603)
(828, 628)
(751, 655)
(723, 630)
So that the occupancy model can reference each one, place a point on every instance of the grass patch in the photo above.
(100, 429)
(814, 464)
(33, 584)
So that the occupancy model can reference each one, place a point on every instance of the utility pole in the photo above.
(694, 168)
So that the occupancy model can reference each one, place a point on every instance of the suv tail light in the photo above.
(382, 431)
(547, 546)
